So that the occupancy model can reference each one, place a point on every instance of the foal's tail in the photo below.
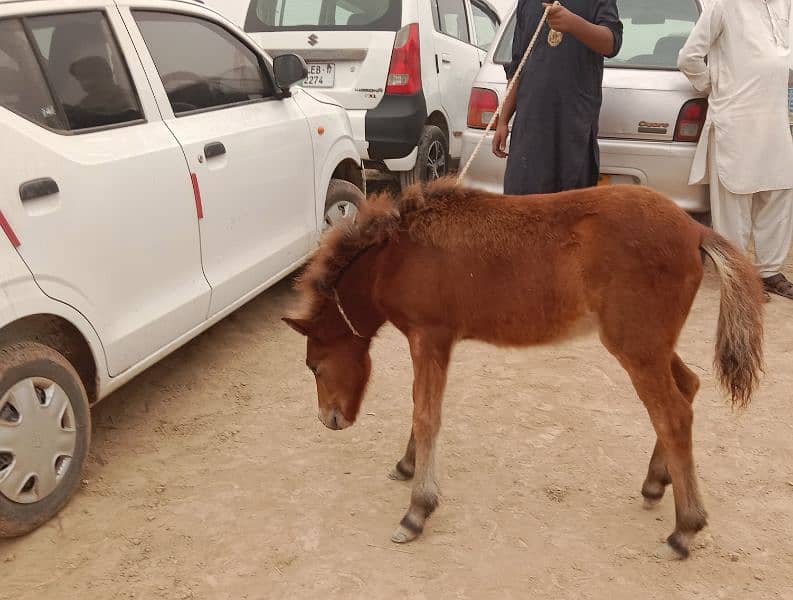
(739, 338)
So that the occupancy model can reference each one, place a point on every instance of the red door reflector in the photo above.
(6, 227)
(199, 206)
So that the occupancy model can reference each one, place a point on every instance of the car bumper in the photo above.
(662, 166)
(394, 128)
(358, 125)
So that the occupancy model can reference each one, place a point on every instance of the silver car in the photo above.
(651, 117)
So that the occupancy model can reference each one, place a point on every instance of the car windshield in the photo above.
(654, 34)
(333, 15)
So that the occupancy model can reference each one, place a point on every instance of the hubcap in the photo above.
(340, 211)
(436, 161)
(37, 439)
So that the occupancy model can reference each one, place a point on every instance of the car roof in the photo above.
(200, 2)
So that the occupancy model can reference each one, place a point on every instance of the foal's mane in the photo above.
(381, 217)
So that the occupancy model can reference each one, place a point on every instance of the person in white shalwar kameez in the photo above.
(739, 53)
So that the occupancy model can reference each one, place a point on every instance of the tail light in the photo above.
(404, 75)
(691, 120)
(481, 107)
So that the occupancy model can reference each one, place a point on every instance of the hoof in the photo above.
(397, 475)
(403, 535)
(651, 503)
(665, 552)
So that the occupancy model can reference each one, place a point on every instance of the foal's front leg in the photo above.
(430, 352)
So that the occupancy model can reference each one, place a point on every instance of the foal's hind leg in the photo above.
(404, 469)
(657, 473)
(672, 417)
(430, 352)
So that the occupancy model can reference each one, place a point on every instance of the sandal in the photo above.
(779, 285)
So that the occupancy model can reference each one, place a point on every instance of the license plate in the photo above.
(604, 180)
(321, 75)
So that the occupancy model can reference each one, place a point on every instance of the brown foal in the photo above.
(444, 263)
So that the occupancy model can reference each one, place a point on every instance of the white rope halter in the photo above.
(344, 315)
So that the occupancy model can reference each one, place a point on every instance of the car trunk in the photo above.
(349, 66)
(347, 44)
(642, 104)
(639, 104)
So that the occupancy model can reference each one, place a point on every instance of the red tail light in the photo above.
(481, 107)
(404, 75)
(691, 120)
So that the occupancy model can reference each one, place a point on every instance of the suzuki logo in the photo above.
(313, 39)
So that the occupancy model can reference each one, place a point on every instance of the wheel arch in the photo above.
(438, 119)
(350, 170)
(60, 335)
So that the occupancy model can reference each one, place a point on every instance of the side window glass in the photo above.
(85, 69)
(201, 64)
(451, 19)
(503, 53)
(485, 25)
(23, 88)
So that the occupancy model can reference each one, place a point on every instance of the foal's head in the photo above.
(336, 354)
(341, 366)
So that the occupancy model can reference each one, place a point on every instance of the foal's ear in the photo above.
(302, 326)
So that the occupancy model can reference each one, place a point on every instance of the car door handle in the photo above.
(446, 58)
(214, 149)
(38, 188)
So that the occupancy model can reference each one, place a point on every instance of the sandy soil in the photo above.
(211, 477)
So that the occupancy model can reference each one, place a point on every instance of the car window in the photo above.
(85, 69)
(23, 88)
(291, 12)
(201, 64)
(336, 15)
(503, 53)
(485, 25)
(655, 32)
(84, 84)
(449, 17)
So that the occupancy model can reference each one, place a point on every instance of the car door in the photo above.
(101, 197)
(458, 62)
(249, 151)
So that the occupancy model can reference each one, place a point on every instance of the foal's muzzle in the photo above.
(333, 419)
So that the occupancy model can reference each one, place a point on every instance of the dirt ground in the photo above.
(211, 477)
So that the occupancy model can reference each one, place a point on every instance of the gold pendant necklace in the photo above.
(555, 38)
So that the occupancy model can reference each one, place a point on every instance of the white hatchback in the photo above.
(159, 170)
(651, 117)
(403, 69)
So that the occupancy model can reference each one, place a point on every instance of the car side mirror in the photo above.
(288, 70)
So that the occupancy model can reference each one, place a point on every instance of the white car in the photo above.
(651, 117)
(403, 69)
(158, 172)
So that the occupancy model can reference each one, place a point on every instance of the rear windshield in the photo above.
(654, 33)
(327, 15)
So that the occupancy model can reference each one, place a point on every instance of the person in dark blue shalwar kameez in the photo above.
(557, 101)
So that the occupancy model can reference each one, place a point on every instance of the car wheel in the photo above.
(432, 161)
(45, 431)
(342, 203)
